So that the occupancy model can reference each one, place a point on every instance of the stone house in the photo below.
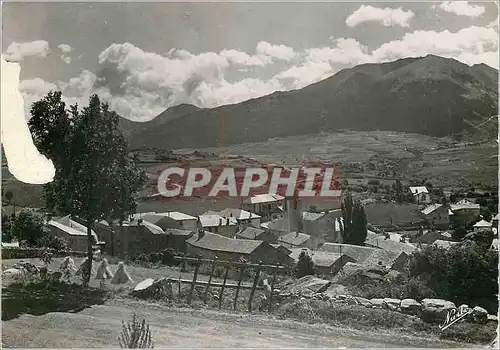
(420, 194)
(74, 233)
(257, 234)
(465, 212)
(482, 224)
(436, 216)
(217, 224)
(267, 206)
(171, 219)
(208, 245)
(243, 217)
(325, 263)
(324, 225)
(141, 237)
(297, 240)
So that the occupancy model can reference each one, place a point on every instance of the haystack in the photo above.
(82, 267)
(103, 272)
(68, 264)
(121, 275)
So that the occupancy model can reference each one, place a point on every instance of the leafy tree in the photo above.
(486, 213)
(94, 178)
(398, 191)
(56, 243)
(305, 265)
(354, 220)
(6, 228)
(28, 226)
(9, 195)
(459, 233)
(464, 273)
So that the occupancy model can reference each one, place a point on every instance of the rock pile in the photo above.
(154, 289)
(429, 310)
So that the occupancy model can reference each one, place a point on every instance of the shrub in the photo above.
(135, 335)
(56, 243)
(465, 273)
(305, 265)
(28, 226)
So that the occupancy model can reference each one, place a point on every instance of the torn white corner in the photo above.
(25, 162)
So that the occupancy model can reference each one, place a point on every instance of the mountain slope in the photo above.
(429, 95)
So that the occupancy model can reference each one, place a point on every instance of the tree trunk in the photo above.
(90, 253)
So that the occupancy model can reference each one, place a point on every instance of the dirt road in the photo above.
(99, 326)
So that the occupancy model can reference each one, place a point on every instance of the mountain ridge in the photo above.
(429, 95)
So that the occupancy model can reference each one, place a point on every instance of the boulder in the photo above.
(13, 274)
(480, 314)
(492, 318)
(438, 303)
(378, 303)
(30, 268)
(363, 301)
(154, 289)
(307, 286)
(435, 310)
(410, 307)
(392, 304)
(334, 290)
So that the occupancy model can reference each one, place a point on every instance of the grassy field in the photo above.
(93, 319)
(441, 160)
(100, 325)
(359, 156)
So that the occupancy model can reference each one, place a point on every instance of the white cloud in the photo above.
(310, 72)
(140, 85)
(244, 59)
(388, 17)
(66, 59)
(18, 51)
(34, 90)
(474, 44)
(462, 8)
(346, 51)
(65, 48)
(493, 24)
(280, 52)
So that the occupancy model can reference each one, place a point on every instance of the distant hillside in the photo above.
(430, 95)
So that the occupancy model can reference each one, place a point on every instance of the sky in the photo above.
(143, 58)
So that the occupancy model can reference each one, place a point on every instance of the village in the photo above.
(274, 229)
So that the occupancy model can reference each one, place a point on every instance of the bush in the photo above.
(28, 226)
(135, 335)
(465, 273)
(51, 242)
(305, 265)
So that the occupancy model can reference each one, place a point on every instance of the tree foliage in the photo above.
(465, 274)
(28, 226)
(354, 221)
(95, 179)
(6, 228)
(305, 265)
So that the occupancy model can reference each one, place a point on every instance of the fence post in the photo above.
(190, 296)
(272, 288)
(255, 281)
(209, 280)
(221, 296)
(242, 270)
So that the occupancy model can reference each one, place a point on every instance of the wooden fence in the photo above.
(242, 267)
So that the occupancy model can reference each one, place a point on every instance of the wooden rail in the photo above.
(241, 266)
